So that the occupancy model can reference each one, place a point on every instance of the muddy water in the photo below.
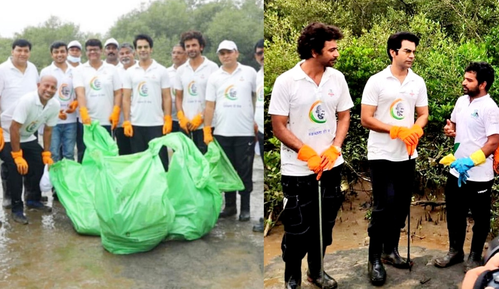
(48, 253)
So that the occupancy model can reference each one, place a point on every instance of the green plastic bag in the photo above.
(222, 170)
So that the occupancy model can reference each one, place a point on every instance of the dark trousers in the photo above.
(141, 137)
(197, 137)
(392, 184)
(301, 219)
(260, 144)
(175, 126)
(474, 196)
(32, 153)
(122, 141)
(80, 145)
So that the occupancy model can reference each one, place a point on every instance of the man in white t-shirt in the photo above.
(22, 154)
(179, 57)
(18, 76)
(148, 112)
(98, 90)
(304, 104)
(389, 102)
(64, 133)
(190, 87)
(474, 123)
(229, 96)
(74, 53)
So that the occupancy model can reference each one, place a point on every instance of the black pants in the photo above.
(474, 196)
(260, 144)
(301, 219)
(241, 151)
(141, 137)
(392, 184)
(32, 153)
(122, 141)
(175, 126)
(197, 137)
(80, 145)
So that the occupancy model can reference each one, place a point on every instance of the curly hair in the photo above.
(314, 36)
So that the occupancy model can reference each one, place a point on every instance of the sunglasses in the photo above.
(259, 53)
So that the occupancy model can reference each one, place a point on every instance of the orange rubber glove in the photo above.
(2, 142)
(167, 127)
(127, 128)
(196, 122)
(62, 115)
(307, 154)
(207, 136)
(72, 106)
(47, 158)
(182, 121)
(22, 165)
(495, 166)
(115, 117)
(85, 118)
(417, 131)
(329, 157)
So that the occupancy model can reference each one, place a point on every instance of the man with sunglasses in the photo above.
(390, 99)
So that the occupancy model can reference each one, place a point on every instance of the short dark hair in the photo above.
(259, 44)
(142, 37)
(395, 41)
(483, 71)
(93, 42)
(192, 34)
(57, 44)
(314, 36)
(21, 43)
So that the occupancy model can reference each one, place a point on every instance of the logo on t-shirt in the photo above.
(30, 128)
(95, 83)
(397, 109)
(317, 113)
(64, 92)
(192, 88)
(259, 93)
(475, 114)
(142, 88)
(230, 92)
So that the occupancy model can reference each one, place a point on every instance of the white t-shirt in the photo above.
(14, 83)
(193, 85)
(31, 114)
(475, 122)
(100, 85)
(146, 85)
(233, 94)
(65, 93)
(259, 106)
(172, 75)
(311, 111)
(395, 104)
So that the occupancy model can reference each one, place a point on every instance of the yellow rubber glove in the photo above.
(496, 159)
(127, 128)
(62, 115)
(47, 158)
(447, 160)
(22, 165)
(115, 117)
(307, 154)
(196, 122)
(2, 142)
(167, 127)
(182, 121)
(478, 157)
(207, 136)
(85, 118)
(329, 157)
(72, 106)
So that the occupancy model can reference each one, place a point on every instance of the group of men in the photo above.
(134, 98)
(310, 109)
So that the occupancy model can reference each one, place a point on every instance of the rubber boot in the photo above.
(391, 254)
(314, 273)
(292, 275)
(230, 205)
(375, 268)
(7, 200)
(244, 215)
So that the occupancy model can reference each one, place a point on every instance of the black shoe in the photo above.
(376, 271)
(33, 205)
(452, 257)
(228, 212)
(395, 260)
(292, 283)
(19, 217)
(327, 282)
(474, 260)
(260, 227)
(244, 216)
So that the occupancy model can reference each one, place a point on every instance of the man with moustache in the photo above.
(22, 154)
(179, 57)
(190, 87)
(111, 52)
(389, 102)
(474, 124)
(311, 150)
(18, 76)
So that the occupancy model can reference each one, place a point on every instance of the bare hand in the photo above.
(449, 129)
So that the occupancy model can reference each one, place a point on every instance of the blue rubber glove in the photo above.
(462, 166)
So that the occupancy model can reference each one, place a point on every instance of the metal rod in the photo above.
(320, 233)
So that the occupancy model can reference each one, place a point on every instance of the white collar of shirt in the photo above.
(388, 74)
(238, 68)
(153, 65)
(204, 63)
(483, 98)
(298, 73)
